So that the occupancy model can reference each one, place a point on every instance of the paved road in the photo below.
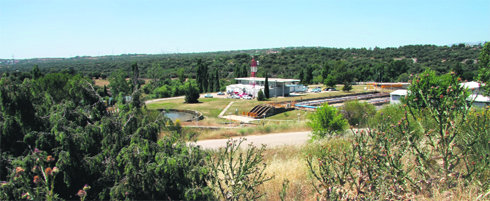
(271, 140)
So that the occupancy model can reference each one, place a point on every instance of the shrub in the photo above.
(191, 94)
(347, 86)
(236, 174)
(358, 113)
(260, 96)
(326, 121)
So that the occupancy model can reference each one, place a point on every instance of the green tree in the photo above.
(181, 74)
(118, 83)
(260, 96)
(327, 121)
(35, 72)
(484, 72)
(347, 86)
(266, 86)
(191, 94)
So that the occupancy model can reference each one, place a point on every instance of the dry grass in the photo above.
(288, 162)
(270, 127)
(101, 82)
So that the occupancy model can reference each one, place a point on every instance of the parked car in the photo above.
(330, 89)
(220, 93)
(316, 90)
(247, 97)
(208, 96)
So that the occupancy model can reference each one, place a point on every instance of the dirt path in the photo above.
(271, 140)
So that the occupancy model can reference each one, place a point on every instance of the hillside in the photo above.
(378, 64)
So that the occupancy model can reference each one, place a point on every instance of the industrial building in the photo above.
(249, 87)
(252, 86)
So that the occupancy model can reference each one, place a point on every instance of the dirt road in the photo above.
(271, 140)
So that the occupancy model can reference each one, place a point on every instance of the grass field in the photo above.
(212, 107)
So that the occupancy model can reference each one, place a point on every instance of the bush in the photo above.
(260, 96)
(236, 174)
(347, 86)
(191, 94)
(358, 113)
(327, 121)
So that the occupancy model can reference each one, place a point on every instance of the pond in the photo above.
(182, 115)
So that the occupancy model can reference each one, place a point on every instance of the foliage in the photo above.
(376, 64)
(118, 83)
(191, 94)
(409, 149)
(358, 113)
(260, 96)
(347, 86)
(326, 121)
(236, 174)
(484, 73)
(266, 86)
(428, 89)
(114, 150)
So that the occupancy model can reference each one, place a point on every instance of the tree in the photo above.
(302, 77)
(35, 72)
(266, 86)
(347, 86)
(181, 75)
(118, 83)
(331, 80)
(308, 75)
(191, 94)
(260, 96)
(484, 72)
(217, 78)
(327, 121)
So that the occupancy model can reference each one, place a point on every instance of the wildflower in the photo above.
(49, 158)
(36, 179)
(26, 195)
(36, 150)
(3, 183)
(34, 169)
(56, 170)
(48, 171)
(441, 96)
(81, 193)
(86, 187)
(19, 170)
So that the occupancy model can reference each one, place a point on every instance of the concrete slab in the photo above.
(239, 118)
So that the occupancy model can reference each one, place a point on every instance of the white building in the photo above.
(277, 86)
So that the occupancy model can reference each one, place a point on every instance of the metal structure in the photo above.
(253, 70)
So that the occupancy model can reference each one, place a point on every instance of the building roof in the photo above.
(400, 92)
(261, 79)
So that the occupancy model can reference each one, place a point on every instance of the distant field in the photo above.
(102, 82)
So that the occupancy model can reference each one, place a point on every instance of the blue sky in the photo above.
(67, 28)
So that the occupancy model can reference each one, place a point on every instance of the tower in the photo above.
(253, 70)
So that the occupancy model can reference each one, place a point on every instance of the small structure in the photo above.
(396, 96)
(478, 99)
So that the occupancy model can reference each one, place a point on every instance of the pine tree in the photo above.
(266, 86)
(216, 77)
